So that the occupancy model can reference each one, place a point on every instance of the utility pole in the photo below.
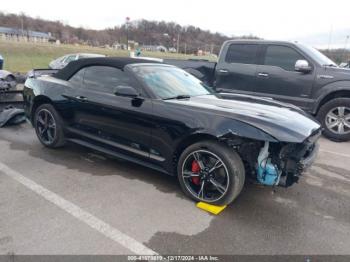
(166, 37)
(330, 37)
(22, 25)
(127, 32)
(178, 43)
(346, 43)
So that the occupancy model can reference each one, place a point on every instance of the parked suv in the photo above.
(286, 71)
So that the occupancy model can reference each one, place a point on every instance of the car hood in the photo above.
(284, 122)
(339, 73)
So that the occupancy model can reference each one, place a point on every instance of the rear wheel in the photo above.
(49, 126)
(211, 172)
(335, 119)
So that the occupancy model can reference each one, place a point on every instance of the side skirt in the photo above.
(116, 154)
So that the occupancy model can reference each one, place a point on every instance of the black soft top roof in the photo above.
(118, 62)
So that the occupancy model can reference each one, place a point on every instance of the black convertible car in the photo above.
(163, 118)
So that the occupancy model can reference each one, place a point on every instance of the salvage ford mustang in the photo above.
(161, 117)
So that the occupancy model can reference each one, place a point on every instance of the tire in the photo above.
(58, 137)
(10, 78)
(326, 119)
(231, 172)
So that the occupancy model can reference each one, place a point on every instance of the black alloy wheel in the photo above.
(205, 175)
(49, 126)
(46, 125)
(211, 172)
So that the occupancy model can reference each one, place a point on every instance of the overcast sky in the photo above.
(269, 19)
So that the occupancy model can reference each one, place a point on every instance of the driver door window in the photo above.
(277, 78)
(282, 56)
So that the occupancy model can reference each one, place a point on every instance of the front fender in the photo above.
(225, 128)
(329, 89)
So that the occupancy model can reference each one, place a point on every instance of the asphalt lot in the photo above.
(76, 201)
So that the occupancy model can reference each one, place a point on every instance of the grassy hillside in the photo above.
(21, 57)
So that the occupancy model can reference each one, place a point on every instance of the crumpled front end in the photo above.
(296, 158)
(277, 163)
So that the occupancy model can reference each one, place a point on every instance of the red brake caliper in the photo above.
(195, 169)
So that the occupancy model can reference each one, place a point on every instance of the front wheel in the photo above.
(49, 126)
(211, 172)
(335, 119)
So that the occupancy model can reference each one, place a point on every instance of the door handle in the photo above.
(263, 74)
(81, 98)
(223, 71)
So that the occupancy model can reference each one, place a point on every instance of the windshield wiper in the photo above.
(178, 97)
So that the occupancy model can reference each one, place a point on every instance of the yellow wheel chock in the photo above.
(210, 208)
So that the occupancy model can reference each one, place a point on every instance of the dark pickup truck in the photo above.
(286, 71)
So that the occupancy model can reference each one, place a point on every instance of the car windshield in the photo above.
(170, 82)
(318, 56)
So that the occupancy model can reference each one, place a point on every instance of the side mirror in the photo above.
(127, 91)
(302, 66)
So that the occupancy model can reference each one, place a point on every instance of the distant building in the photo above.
(154, 48)
(15, 34)
(200, 52)
(172, 50)
(118, 46)
(133, 44)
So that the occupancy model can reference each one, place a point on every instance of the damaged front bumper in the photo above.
(282, 163)
(297, 158)
(307, 161)
(274, 163)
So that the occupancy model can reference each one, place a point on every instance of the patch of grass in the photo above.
(22, 57)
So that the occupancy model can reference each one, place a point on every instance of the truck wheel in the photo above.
(335, 119)
(211, 172)
(49, 126)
